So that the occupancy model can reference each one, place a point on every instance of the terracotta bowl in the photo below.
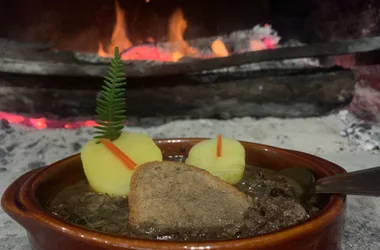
(25, 198)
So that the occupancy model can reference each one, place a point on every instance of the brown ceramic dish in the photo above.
(24, 200)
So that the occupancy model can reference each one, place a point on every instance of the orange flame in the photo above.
(219, 48)
(177, 27)
(119, 35)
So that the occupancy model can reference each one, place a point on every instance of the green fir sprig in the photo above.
(111, 106)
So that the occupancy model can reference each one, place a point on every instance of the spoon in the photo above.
(364, 182)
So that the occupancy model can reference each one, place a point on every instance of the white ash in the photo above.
(258, 32)
(365, 134)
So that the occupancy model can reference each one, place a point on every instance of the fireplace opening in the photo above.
(83, 25)
(193, 58)
(97, 26)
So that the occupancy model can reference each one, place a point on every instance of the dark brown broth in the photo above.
(276, 205)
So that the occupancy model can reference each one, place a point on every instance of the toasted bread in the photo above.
(171, 197)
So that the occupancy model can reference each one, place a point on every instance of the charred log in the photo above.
(288, 95)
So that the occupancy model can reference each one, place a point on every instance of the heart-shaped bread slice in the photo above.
(172, 197)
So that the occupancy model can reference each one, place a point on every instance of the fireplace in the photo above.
(186, 59)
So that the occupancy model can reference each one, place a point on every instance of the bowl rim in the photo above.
(35, 211)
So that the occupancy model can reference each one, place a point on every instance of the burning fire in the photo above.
(179, 48)
(176, 29)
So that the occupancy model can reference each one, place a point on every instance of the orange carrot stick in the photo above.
(119, 154)
(219, 146)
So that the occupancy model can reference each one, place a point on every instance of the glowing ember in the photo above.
(39, 123)
(42, 123)
(269, 42)
(146, 52)
(257, 45)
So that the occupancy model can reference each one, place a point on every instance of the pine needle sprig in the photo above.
(111, 107)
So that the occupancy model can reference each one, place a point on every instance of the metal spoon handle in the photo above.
(363, 182)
